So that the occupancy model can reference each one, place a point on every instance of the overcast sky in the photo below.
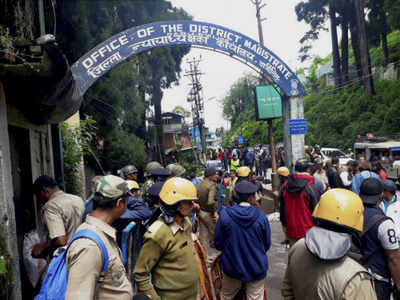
(281, 31)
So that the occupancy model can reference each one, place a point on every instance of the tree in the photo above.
(117, 100)
(364, 52)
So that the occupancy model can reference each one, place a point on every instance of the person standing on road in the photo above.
(84, 260)
(318, 265)
(62, 214)
(249, 159)
(235, 163)
(150, 180)
(378, 169)
(320, 173)
(390, 203)
(300, 198)
(365, 172)
(129, 172)
(243, 235)
(333, 174)
(379, 244)
(208, 201)
(166, 268)
(283, 173)
(347, 175)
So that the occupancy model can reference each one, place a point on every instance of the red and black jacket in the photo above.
(299, 200)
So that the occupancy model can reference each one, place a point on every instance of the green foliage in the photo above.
(239, 108)
(393, 39)
(5, 268)
(122, 148)
(76, 144)
(117, 100)
(335, 119)
(191, 165)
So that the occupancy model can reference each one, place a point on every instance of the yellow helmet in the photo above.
(243, 171)
(132, 184)
(177, 189)
(342, 207)
(283, 171)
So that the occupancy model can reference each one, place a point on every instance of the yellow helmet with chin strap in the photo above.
(243, 171)
(132, 184)
(342, 207)
(177, 189)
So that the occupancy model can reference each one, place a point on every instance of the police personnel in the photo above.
(243, 235)
(379, 244)
(243, 174)
(166, 268)
(157, 175)
(62, 214)
(318, 267)
(176, 170)
(84, 260)
(129, 172)
(147, 174)
(208, 207)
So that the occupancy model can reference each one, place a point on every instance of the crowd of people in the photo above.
(341, 223)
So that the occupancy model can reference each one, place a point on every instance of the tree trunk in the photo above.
(365, 58)
(335, 47)
(385, 47)
(355, 40)
(345, 46)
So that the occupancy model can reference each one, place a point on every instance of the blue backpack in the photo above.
(55, 283)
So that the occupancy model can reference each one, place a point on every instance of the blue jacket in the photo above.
(243, 235)
(359, 178)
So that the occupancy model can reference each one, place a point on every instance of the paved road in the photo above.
(277, 258)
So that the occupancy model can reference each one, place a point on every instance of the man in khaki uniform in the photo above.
(62, 214)
(318, 266)
(166, 268)
(84, 260)
(206, 191)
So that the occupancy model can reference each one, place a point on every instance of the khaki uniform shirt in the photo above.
(166, 268)
(84, 263)
(206, 191)
(342, 279)
(63, 214)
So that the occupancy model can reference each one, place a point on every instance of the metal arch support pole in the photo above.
(292, 108)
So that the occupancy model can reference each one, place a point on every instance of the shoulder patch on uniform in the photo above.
(154, 228)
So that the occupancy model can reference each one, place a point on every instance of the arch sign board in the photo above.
(121, 46)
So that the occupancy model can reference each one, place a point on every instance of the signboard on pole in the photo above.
(297, 126)
(268, 103)
(240, 140)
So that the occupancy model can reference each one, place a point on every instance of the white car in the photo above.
(328, 153)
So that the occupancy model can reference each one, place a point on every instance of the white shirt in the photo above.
(392, 210)
(345, 178)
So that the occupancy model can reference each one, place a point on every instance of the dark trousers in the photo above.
(382, 290)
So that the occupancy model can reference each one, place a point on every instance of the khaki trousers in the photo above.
(207, 228)
(230, 287)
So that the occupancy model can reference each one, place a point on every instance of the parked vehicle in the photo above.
(328, 153)
(386, 150)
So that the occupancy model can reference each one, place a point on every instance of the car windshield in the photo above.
(214, 164)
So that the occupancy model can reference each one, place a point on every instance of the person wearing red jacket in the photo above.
(300, 197)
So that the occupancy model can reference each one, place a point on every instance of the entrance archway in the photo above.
(98, 61)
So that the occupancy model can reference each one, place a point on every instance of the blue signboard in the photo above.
(297, 126)
(123, 45)
(396, 149)
(240, 140)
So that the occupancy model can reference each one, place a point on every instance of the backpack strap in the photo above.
(90, 234)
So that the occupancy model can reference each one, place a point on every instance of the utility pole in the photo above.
(259, 6)
(196, 99)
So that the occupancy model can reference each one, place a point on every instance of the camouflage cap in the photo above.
(111, 186)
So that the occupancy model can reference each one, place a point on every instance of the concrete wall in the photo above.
(38, 141)
(7, 211)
